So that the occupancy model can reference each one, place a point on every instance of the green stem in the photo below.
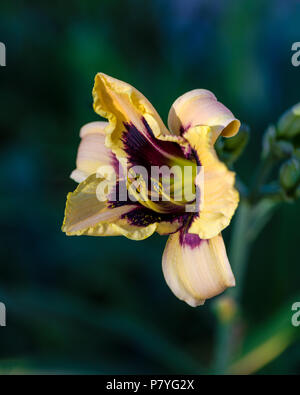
(238, 258)
(223, 348)
(238, 253)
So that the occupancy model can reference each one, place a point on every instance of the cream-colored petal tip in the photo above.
(78, 175)
(195, 269)
(232, 128)
(194, 302)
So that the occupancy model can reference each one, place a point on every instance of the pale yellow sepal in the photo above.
(198, 273)
(92, 152)
(97, 127)
(218, 197)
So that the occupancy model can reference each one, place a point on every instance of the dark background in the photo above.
(101, 305)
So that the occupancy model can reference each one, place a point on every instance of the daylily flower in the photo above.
(195, 264)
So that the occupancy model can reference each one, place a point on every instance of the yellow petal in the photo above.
(201, 107)
(134, 232)
(218, 197)
(167, 227)
(86, 215)
(92, 152)
(122, 104)
(196, 269)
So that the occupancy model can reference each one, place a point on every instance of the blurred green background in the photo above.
(101, 305)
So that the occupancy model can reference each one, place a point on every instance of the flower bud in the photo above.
(289, 123)
(297, 153)
(280, 149)
(289, 175)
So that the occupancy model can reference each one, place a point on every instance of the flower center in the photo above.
(167, 188)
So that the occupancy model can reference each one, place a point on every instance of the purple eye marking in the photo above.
(183, 129)
(143, 216)
(144, 149)
(189, 239)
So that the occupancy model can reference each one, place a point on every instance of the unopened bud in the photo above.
(279, 149)
(282, 149)
(289, 175)
(297, 153)
(289, 123)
